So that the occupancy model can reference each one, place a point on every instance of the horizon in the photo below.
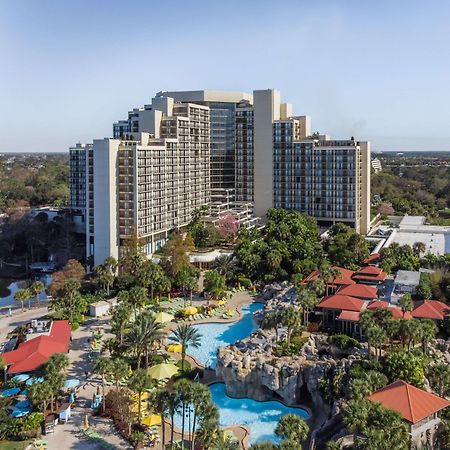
(357, 68)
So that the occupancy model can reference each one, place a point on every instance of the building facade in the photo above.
(192, 148)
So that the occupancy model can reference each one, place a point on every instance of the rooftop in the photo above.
(362, 291)
(412, 403)
(342, 302)
(431, 309)
(344, 280)
(407, 277)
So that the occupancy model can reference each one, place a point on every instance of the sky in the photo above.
(374, 69)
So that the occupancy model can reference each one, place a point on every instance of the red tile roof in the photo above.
(31, 354)
(431, 309)
(370, 273)
(397, 313)
(362, 291)
(342, 302)
(344, 280)
(372, 258)
(352, 316)
(412, 403)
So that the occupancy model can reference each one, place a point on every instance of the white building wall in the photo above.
(266, 110)
(106, 237)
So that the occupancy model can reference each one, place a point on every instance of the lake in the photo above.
(9, 287)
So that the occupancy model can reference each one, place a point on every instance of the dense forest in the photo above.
(33, 180)
(417, 185)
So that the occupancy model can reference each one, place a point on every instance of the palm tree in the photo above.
(121, 316)
(103, 276)
(271, 321)
(140, 381)
(291, 318)
(150, 275)
(22, 295)
(186, 335)
(225, 265)
(429, 331)
(377, 337)
(173, 405)
(292, 429)
(101, 366)
(308, 300)
(137, 297)
(117, 369)
(36, 288)
(406, 303)
(264, 445)
(40, 394)
(201, 401)
(418, 248)
(159, 401)
(143, 335)
(112, 264)
(439, 376)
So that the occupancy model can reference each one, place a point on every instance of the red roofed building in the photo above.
(341, 313)
(397, 313)
(370, 275)
(417, 407)
(31, 354)
(335, 283)
(431, 309)
(372, 259)
(362, 291)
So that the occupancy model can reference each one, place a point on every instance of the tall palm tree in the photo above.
(429, 331)
(225, 265)
(137, 297)
(406, 303)
(292, 429)
(101, 366)
(292, 319)
(140, 381)
(308, 300)
(121, 316)
(117, 369)
(187, 336)
(36, 288)
(22, 295)
(271, 321)
(143, 335)
(159, 401)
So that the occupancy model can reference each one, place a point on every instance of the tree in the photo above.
(36, 289)
(137, 298)
(418, 248)
(103, 276)
(101, 367)
(406, 303)
(40, 394)
(271, 321)
(345, 247)
(439, 376)
(121, 315)
(386, 209)
(225, 265)
(307, 299)
(140, 381)
(73, 270)
(159, 400)
(22, 295)
(186, 335)
(264, 445)
(143, 335)
(424, 289)
(177, 252)
(293, 430)
(375, 427)
(405, 366)
(291, 318)
(214, 284)
(117, 370)
(132, 256)
(70, 304)
(428, 331)
(227, 226)
(151, 276)
(187, 280)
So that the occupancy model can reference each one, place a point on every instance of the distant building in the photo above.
(376, 165)
(406, 282)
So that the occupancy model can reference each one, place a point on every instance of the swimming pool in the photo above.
(215, 335)
(261, 418)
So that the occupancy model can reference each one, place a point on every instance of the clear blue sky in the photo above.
(375, 69)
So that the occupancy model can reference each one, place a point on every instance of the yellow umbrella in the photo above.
(174, 348)
(190, 310)
(151, 420)
(163, 371)
(135, 397)
(86, 422)
(221, 302)
(163, 317)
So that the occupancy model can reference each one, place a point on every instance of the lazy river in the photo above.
(215, 335)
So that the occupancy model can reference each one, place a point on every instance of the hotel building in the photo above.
(194, 148)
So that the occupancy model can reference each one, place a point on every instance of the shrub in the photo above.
(137, 437)
(75, 326)
(343, 342)
(245, 282)
(285, 349)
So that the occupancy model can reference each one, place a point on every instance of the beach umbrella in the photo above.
(163, 371)
(20, 412)
(72, 383)
(86, 422)
(23, 404)
(163, 317)
(174, 348)
(151, 420)
(33, 380)
(190, 310)
(21, 378)
(10, 392)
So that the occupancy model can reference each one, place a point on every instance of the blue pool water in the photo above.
(260, 417)
(215, 335)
